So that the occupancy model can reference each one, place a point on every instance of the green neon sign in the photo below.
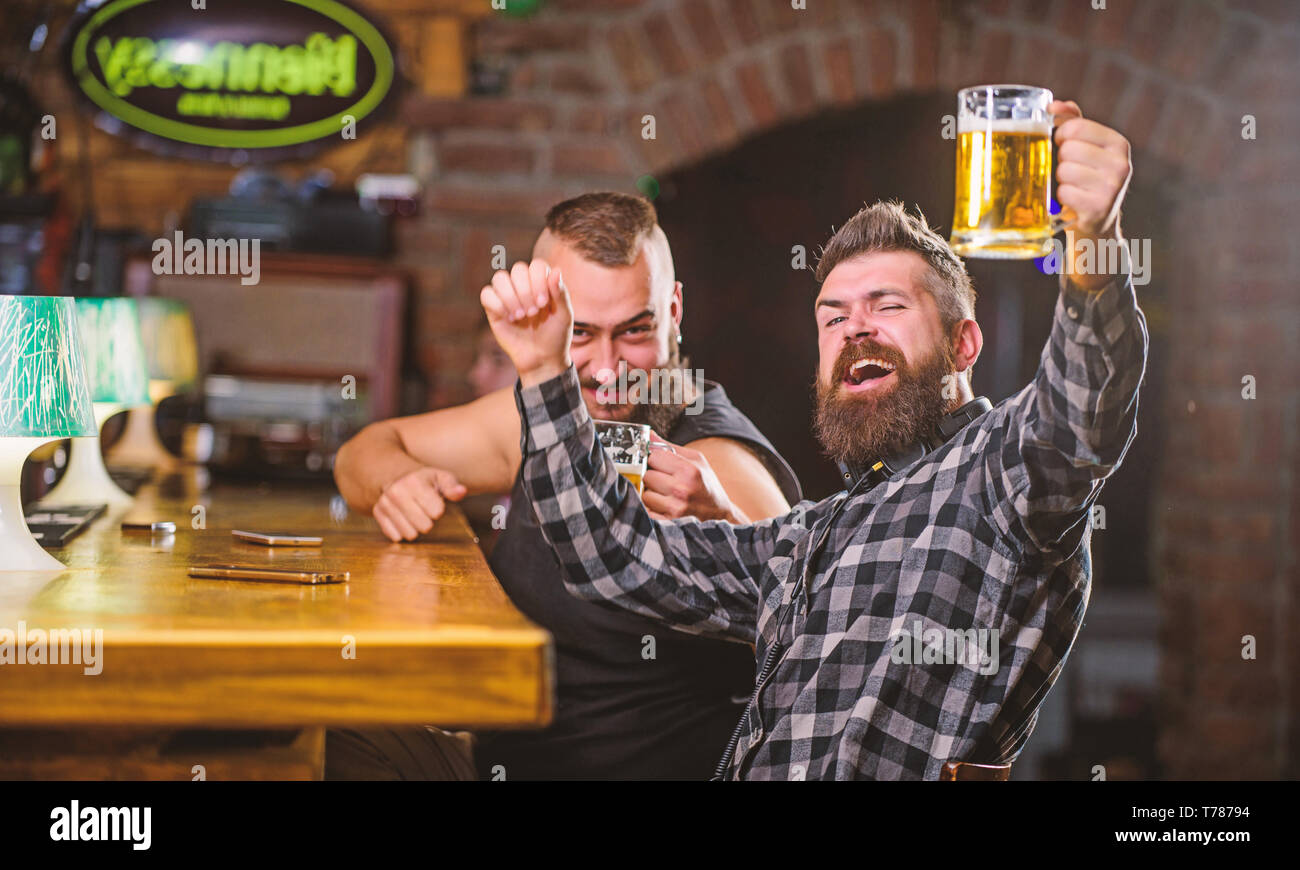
(247, 74)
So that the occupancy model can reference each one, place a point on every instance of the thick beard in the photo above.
(863, 428)
(661, 416)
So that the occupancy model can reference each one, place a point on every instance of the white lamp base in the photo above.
(139, 445)
(18, 549)
(86, 480)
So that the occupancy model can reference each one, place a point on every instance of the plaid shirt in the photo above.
(989, 531)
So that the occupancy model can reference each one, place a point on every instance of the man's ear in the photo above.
(675, 309)
(967, 342)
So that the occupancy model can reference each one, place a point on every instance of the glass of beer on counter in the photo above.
(1004, 173)
(628, 444)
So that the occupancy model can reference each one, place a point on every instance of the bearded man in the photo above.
(960, 521)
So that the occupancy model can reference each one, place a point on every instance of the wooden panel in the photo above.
(138, 754)
(444, 60)
(437, 641)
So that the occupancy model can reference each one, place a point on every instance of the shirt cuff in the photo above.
(1106, 313)
(550, 411)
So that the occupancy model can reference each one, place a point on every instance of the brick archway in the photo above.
(1165, 73)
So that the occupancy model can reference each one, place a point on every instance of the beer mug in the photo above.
(628, 444)
(1004, 173)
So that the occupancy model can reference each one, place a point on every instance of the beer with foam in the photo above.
(628, 444)
(1004, 173)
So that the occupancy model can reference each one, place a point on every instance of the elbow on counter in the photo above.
(345, 469)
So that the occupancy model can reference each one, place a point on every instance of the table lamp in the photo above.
(43, 398)
(172, 355)
(118, 379)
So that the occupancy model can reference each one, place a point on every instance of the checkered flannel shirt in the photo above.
(989, 531)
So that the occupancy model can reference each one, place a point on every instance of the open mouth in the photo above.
(870, 370)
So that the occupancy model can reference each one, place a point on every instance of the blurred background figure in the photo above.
(491, 369)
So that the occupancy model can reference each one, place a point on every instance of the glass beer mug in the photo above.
(628, 444)
(1004, 173)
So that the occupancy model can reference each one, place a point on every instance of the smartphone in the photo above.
(160, 528)
(271, 539)
(268, 575)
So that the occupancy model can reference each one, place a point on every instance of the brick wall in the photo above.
(1175, 77)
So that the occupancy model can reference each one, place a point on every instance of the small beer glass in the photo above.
(628, 444)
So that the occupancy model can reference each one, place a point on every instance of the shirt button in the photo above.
(1073, 311)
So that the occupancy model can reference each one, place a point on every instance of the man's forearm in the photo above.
(610, 549)
(367, 463)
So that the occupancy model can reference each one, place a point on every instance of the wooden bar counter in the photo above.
(422, 633)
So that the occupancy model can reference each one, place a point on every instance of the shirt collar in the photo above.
(885, 467)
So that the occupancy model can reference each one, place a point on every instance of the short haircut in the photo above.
(607, 227)
(886, 226)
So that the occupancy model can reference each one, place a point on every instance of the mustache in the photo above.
(864, 429)
(867, 348)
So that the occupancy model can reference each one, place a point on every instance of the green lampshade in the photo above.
(43, 389)
(169, 345)
(110, 340)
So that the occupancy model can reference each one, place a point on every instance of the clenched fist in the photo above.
(1093, 169)
(530, 314)
(410, 504)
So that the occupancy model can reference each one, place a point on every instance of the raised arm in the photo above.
(701, 577)
(1068, 430)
